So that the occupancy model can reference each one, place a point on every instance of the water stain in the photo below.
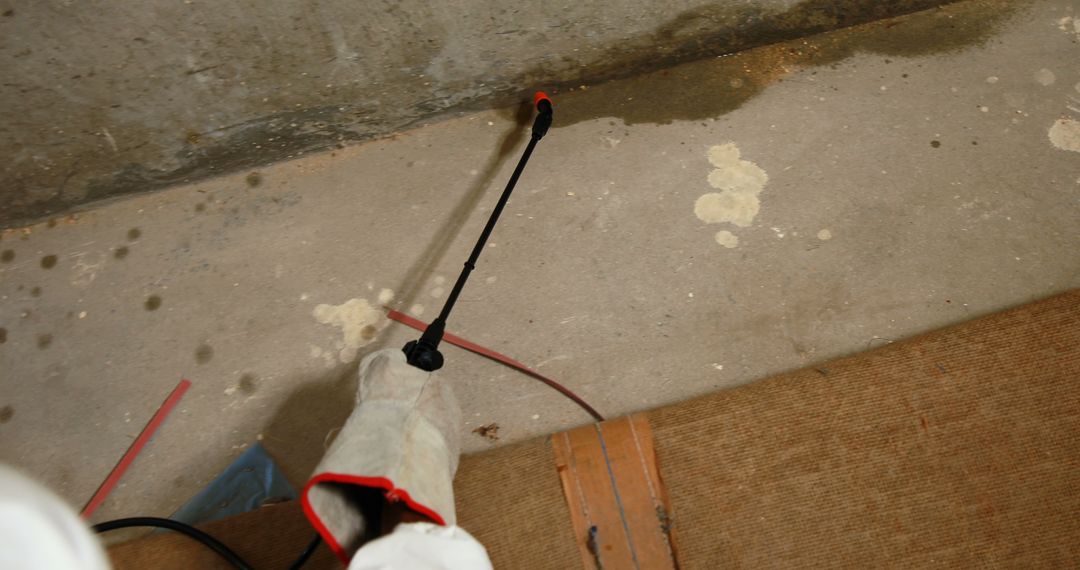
(134, 234)
(44, 340)
(713, 87)
(48, 262)
(153, 302)
(35, 292)
(204, 353)
(8, 256)
(6, 413)
(368, 332)
(51, 223)
(254, 179)
(121, 252)
(247, 384)
(3, 335)
(200, 207)
(935, 144)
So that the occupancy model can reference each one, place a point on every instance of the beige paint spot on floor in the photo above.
(727, 239)
(416, 310)
(439, 280)
(437, 292)
(824, 235)
(1065, 134)
(358, 321)
(1070, 25)
(739, 181)
(1045, 77)
(385, 296)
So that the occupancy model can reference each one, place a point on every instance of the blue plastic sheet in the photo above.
(250, 482)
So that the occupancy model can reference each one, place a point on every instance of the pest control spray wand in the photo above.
(424, 353)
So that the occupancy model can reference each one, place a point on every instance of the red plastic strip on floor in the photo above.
(136, 447)
(503, 359)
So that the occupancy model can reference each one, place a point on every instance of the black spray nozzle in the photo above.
(544, 115)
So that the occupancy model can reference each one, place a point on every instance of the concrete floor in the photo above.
(879, 182)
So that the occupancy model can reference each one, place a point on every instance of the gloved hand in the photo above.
(401, 443)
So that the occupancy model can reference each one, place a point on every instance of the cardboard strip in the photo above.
(618, 505)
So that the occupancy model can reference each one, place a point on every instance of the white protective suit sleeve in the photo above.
(422, 546)
(38, 531)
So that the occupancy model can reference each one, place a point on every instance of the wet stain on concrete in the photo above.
(153, 302)
(3, 335)
(200, 207)
(35, 292)
(44, 340)
(134, 234)
(121, 252)
(8, 256)
(254, 179)
(48, 262)
(6, 413)
(713, 87)
(935, 144)
(247, 384)
(204, 353)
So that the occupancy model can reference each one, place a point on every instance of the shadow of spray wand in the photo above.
(424, 352)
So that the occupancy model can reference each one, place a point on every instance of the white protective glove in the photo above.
(401, 443)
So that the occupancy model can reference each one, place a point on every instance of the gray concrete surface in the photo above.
(104, 99)
(919, 173)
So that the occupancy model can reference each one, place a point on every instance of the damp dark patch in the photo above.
(204, 353)
(3, 335)
(121, 252)
(134, 234)
(253, 179)
(368, 332)
(48, 262)
(710, 88)
(6, 413)
(51, 223)
(935, 144)
(8, 256)
(200, 207)
(152, 303)
(9, 12)
(44, 340)
(247, 384)
(35, 292)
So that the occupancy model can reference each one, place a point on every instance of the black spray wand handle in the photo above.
(424, 353)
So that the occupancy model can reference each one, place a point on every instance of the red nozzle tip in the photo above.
(541, 96)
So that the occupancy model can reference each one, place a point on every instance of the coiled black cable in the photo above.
(185, 529)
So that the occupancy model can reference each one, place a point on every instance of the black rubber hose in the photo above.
(192, 532)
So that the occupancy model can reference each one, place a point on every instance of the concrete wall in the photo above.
(110, 97)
